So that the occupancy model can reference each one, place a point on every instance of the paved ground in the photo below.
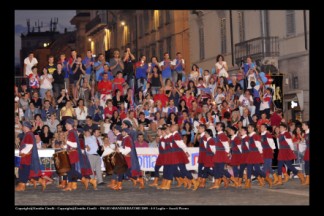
(291, 193)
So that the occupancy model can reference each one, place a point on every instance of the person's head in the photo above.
(119, 74)
(116, 54)
(97, 132)
(26, 126)
(106, 68)
(178, 55)
(89, 120)
(69, 124)
(46, 104)
(232, 130)
(45, 70)
(59, 128)
(53, 116)
(201, 128)
(30, 55)
(283, 127)
(183, 103)
(59, 67)
(166, 55)
(34, 69)
(80, 102)
(249, 60)
(305, 125)
(187, 126)
(140, 137)
(255, 118)
(31, 105)
(220, 126)
(174, 127)
(89, 53)
(245, 111)
(243, 131)
(68, 103)
(87, 133)
(168, 82)
(219, 58)
(251, 128)
(109, 103)
(62, 57)
(79, 59)
(101, 57)
(51, 59)
(73, 54)
(45, 129)
(142, 115)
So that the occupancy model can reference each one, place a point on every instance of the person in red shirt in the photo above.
(263, 120)
(109, 110)
(162, 97)
(195, 108)
(188, 98)
(105, 88)
(276, 118)
(118, 82)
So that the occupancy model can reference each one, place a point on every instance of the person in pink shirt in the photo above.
(140, 142)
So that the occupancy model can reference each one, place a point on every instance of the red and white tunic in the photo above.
(178, 149)
(267, 144)
(255, 147)
(26, 147)
(125, 149)
(168, 150)
(210, 149)
(244, 148)
(236, 150)
(306, 136)
(202, 148)
(160, 161)
(72, 146)
(222, 149)
(286, 147)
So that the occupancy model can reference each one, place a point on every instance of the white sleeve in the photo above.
(271, 143)
(163, 144)
(72, 144)
(36, 62)
(107, 151)
(290, 143)
(125, 150)
(240, 148)
(226, 146)
(27, 149)
(247, 145)
(182, 145)
(119, 142)
(259, 146)
(205, 143)
(213, 149)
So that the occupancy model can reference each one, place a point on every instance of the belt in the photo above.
(95, 154)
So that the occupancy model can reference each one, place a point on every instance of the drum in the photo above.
(119, 163)
(62, 162)
(108, 166)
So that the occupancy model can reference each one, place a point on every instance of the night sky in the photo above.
(64, 17)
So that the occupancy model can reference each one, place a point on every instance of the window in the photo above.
(169, 47)
(161, 50)
(153, 49)
(152, 20)
(290, 23)
(223, 35)
(146, 20)
(167, 16)
(241, 26)
(201, 43)
(161, 18)
(141, 26)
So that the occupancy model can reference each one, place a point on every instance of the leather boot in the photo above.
(42, 182)
(134, 182)
(301, 177)
(185, 182)
(118, 186)
(74, 185)
(112, 184)
(279, 182)
(94, 183)
(162, 184)
(167, 185)
(261, 182)
(247, 184)
(179, 180)
(226, 182)
(216, 184)
(141, 181)
(155, 182)
(306, 181)
(85, 182)
(21, 187)
(269, 180)
(189, 183)
(275, 178)
(203, 183)
(68, 187)
(286, 177)
(62, 184)
(235, 181)
(195, 183)
(34, 182)
(239, 182)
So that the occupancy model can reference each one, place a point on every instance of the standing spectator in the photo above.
(166, 67)
(99, 66)
(155, 79)
(116, 63)
(81, 112)
(71, 61)
(88, 62)
(141, 73)
(78, 70)
(118, 99)
(118, 82)
(105, 89)
(51, 67)
(179, 67)
(45, 83)
(62, 99)
(65, 69)
(266, 101)
(29, 62)
(37, 123)
(84, 90)
(34, 79)
(221, 66)
(58, 83)
(129, 61)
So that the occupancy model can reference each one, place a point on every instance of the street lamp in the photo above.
(122, 23)
(89, 40)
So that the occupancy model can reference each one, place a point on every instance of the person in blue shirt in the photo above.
(141, 72)
(179, 66)
(166, 67)
(99, 69)
(88, 62)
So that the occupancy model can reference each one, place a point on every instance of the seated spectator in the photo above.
(246, 101)
(67, 111)
(52, 123)
(46, 135)
(19, 111)
(142, 120)
(62, 99)
(110, 108)
(47, 111)
(81, 112)
(37, 123)
(90, 126)
(49, 96)
(96, 111)
(37, 100)
(246, 118)
(31, 112)
(24, 102)
(140, 142)
(118, 99)
(115, 119)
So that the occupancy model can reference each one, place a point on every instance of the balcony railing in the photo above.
(94, 24)
(257, 48)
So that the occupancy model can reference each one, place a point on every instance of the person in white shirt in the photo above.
(179, 65)
(29, 62)
(221, 66)
(81, 112)
(246, 100)
(45, 83)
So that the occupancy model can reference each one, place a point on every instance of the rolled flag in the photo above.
(213, 70)
(201, 71)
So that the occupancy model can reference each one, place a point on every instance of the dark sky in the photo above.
(64, 17)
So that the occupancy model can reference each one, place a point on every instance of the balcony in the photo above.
(95, 25)
(257, 48)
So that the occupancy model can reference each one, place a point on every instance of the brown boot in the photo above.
(279, 182)
(34, 182)
(162, 184)
(155, 182)
(286, 177)
(68, 187)
(141, 181)
(189, 183)
(269, 180)
(239, 182)
(62, 184)
(275, 178)
(185, 182)
(261, 182)
(42, 182)
(180, 182)
(301, 177)
(202, 183)
(247, 184)
(112, 184)
(195, 183)
(216, 184)
(74, 185)
(167, 185)
(235, 181)
(134, 182)
(306, 181)
(94, 183)
(21, 187)
(226, 182)
(85, 182)
(118, 186)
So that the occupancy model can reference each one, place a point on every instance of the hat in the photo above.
(118, 127)
(27, 124)
(126, 130)
(128, 123)
(69, 121)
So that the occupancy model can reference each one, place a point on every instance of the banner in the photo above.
(146, 158)
(275, 83)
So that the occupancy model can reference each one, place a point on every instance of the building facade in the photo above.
(280, 37)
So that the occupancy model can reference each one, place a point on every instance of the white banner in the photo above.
(146, 158)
